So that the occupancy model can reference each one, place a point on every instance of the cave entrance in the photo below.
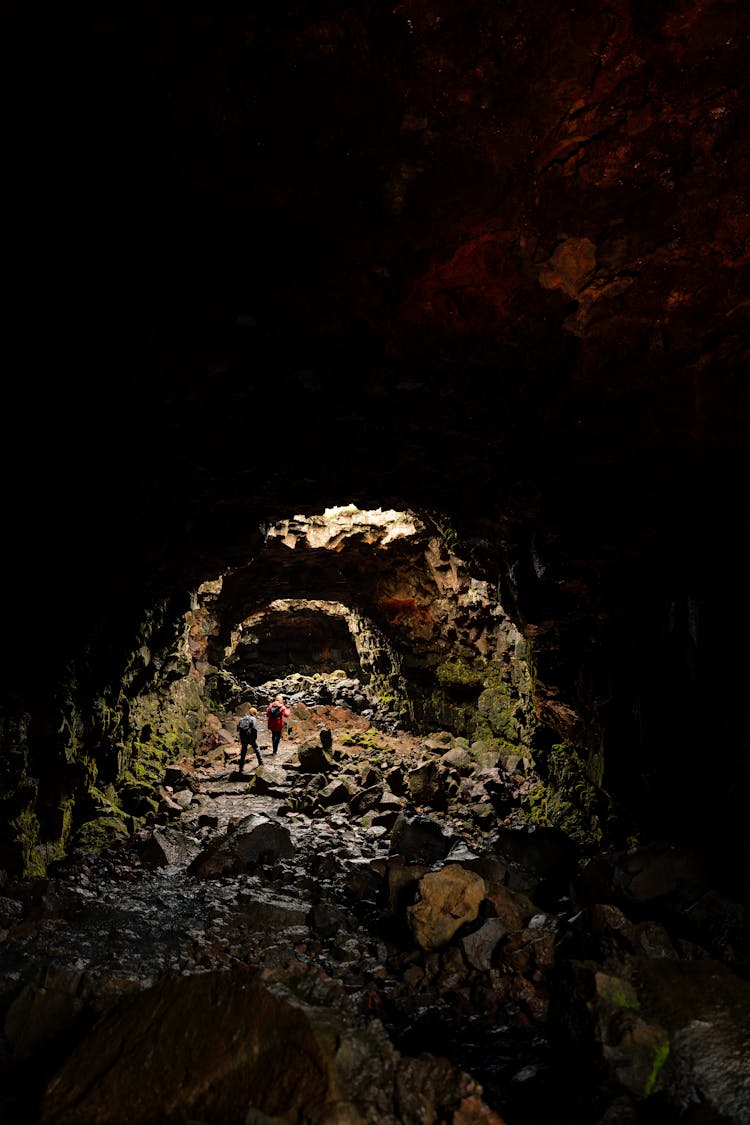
(294, 635)
(317, 598)
(380, 596)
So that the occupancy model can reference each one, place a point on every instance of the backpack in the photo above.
(246, 724)
(274, 711)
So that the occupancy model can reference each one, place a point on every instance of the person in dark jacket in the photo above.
(247, 728)
(276, 712)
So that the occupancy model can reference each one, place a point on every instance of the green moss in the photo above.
(136, 794)
(616, 992)
(504, 709)
(661, 1056)
(460, 673)
(367, 739)
(25, 828)
(101, 832)
(566, 798)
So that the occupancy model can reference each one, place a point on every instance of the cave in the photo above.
(307, 638)
(402, 350)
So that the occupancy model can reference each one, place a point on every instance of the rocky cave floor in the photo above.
(374, 869)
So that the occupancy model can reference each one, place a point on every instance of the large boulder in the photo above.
(256, 839)
(419, 839)
(446, 900)
(252, 1047)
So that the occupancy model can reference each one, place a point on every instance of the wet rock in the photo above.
(166, 804)
(427, 1087)
(458, 759)
(384, 819)
(327, 919)
(45, 1013)
(363, 882)
(446, 900)
(403, 880)
(313, 758)
(366, 800)
(270, 779)
(337, 792)
(167, 847)
(208, 820)
(530, 949)
(480, 945)
(544, 857)
(395, 779)
(10, 912)
(174, 776)
(513, 907)
(183, 798)
(270, 912)
(427, 785)
(419, 839)
(483, 815)
(705, 1009)
(439, 742)
(253, 1047)
(634, 1048)
(256, 839)
(369, 775)
(656, 872)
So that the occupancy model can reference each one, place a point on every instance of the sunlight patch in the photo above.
(344, 520)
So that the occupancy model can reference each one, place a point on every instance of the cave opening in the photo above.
(301, 604)
(294, 635)
(382, 595)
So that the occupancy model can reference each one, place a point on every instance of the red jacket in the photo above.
(278, 722)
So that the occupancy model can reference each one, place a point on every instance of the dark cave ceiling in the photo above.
(457, 257)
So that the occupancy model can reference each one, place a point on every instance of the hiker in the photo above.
(247, 728)
(276, 712)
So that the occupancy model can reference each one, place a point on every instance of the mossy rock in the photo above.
(485, 753)
(566, 798)
(138, 801)
(25, 829)
(368, 740)
(504, 712)
(460, 673)
(100, 833)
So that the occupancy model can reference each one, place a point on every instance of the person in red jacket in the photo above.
(276, 712)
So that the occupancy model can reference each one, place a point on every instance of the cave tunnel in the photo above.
(304, 637)
(481, 267)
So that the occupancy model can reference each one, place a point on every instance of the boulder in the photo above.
(427, 785)
(480, 945)
(419, 839)
(337, 792)
(458, 759)
(403, 879)
(270, 913)
(256, 839)
(313, 758)
(366, 800)
(168, 847)
(269, 780)
(446, 900)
